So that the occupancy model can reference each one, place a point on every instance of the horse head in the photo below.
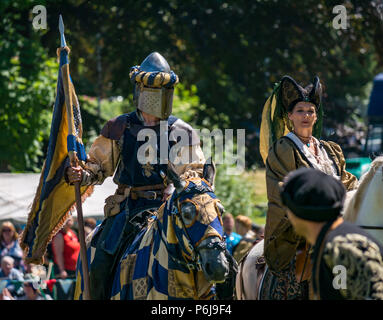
(196, 219)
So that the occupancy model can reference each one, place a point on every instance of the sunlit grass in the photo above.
(260, 199)
(244, 194)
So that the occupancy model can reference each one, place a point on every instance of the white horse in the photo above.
(248, 276)
(364, 207)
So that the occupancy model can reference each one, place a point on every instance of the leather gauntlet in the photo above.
(112, 203)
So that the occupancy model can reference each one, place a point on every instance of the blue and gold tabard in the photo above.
(130, 171)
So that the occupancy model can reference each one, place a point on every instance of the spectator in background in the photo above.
(90, 222)
(9, 245)
(8, 272)
(31, 289)
(65, 247)
(258, 230)
(232, 238)
(87, 231)
(89, 225)
(36, 270)
(243, 227)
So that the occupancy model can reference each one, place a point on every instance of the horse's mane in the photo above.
(351, 212)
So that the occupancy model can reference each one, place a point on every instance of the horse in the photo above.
(181, 253)
(365, 206)
(362, 206)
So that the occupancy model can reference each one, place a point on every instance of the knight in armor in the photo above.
(142, 186)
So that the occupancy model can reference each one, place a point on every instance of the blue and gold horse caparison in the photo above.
(181, 254)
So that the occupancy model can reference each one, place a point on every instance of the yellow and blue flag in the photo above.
(55, 198)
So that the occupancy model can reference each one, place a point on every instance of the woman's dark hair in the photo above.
(292, 108)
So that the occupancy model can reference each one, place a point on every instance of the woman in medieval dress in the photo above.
(291, 124)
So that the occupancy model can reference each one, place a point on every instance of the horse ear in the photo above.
(179, 184)
(209, 171)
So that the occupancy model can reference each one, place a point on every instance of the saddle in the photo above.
(260, 266)
(303, 269)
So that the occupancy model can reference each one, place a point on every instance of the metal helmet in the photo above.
(154, 86)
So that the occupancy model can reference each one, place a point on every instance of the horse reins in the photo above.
(372, 227)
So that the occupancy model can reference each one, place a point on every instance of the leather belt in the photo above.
(151, 192)
(150, 195)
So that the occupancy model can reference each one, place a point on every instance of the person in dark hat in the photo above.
(289, 139)
(138, 166)
(347, 262)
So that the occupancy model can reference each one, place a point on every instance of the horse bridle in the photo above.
(212, 245)
(195, 263)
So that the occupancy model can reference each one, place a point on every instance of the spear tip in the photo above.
(61, 24)
(61, 28)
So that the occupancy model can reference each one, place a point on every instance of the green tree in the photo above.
(233, 51)
(228, 53)
(27, 88)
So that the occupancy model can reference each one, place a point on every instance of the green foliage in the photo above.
(186, 104)
(239, 194)
(27, 89)
(116, 106)
(26, 112)
(231, 51)
(228, 55)
(96, 113)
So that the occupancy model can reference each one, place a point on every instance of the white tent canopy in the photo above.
(17, 191)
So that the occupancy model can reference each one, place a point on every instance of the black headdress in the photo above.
(286, 94)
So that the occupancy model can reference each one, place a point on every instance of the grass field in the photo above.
(243, 194)
(259, 180)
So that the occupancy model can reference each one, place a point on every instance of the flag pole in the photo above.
(84, 257)
(74, 162)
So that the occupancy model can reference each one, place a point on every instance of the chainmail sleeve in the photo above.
(363, 262)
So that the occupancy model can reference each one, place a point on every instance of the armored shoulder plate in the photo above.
(177, 129)
(115, 127)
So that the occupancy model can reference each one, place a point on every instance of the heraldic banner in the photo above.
(55, 198)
